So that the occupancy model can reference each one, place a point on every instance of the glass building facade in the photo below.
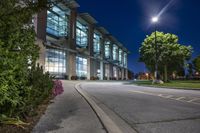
(96, 43)
(107, 49)
(125, 60)
(81, 66)
(81, 35)
(120, 57)
(115, 52)
(57, 22)
(55, 61)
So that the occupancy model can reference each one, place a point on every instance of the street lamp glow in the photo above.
(154, 19)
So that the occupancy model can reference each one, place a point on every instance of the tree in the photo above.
(170, 54)
(196, 63)
(18, 52)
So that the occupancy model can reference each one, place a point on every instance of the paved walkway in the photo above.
(69, 113)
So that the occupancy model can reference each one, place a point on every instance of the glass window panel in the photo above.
(57, 22)
(81, 35)
(81, 67)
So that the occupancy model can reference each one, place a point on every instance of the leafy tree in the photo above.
(196, 63)
(18, 52)
(170, 54)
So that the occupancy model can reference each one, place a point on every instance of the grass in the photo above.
(185, 84)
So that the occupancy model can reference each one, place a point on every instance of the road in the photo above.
(149, 110)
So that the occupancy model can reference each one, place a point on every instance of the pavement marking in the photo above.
(194, 99)
(180, 98)
(172, 97)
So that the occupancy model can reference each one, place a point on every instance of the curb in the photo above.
(109, 125)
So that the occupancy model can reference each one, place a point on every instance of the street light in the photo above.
(154, 21)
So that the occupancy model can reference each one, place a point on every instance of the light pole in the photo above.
(154, 21)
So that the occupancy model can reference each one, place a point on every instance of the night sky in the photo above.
(130, 21)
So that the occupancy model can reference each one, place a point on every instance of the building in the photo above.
(72, 46)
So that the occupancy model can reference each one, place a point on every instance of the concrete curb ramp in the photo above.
(107, 122)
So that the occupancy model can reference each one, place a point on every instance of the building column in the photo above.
(72, 65)
(90, 72)
(126, 72)
(72, 44)
(40, 23)
(122, 73)
(110, 71)
(102, 69)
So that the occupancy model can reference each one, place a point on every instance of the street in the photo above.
(146, 109)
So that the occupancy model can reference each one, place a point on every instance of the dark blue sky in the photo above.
(129, 22)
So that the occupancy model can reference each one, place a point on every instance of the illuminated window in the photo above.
(115, 53)
(81, 67)
(55, 62)
(120, 57)
(107, 49)
(125, 60)
(57, 22)
(96, 41)
(81, 35)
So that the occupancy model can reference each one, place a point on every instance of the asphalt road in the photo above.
(149, 110)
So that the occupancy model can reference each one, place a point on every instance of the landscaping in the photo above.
(184, 84)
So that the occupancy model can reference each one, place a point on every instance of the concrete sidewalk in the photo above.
(69, 113)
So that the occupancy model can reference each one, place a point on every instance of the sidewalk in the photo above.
(69, 113)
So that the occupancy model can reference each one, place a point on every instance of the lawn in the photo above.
(188, 84)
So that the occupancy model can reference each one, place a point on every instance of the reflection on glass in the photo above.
(81, 35)
(81, 67)
(55, 61)
(57, 22)
(96, 42)
(107, 49)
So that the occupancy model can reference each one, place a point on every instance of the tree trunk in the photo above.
(165, 73)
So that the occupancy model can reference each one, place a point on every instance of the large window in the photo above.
(115, 52)
(96, 42)
(55, 61)
(120, 57)
(107, 49)
(57, 22)
(81, 35)
(125, 60)
(81, 67)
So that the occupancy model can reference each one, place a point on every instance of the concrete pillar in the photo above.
(102, 66)
(40, 23)
(42, 53)
(71, 58)
(90, 49)
(111, 71)
(102, 69)
(122, 73)
(72, 65)
(72, 28)
(126, 71)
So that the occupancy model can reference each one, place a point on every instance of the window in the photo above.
(57, 22)
(55, 62)
(125, 60)
(81, 35)
(120, 57)
(96, 41)
(115, 54)
(81, 67)
(107, 49)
